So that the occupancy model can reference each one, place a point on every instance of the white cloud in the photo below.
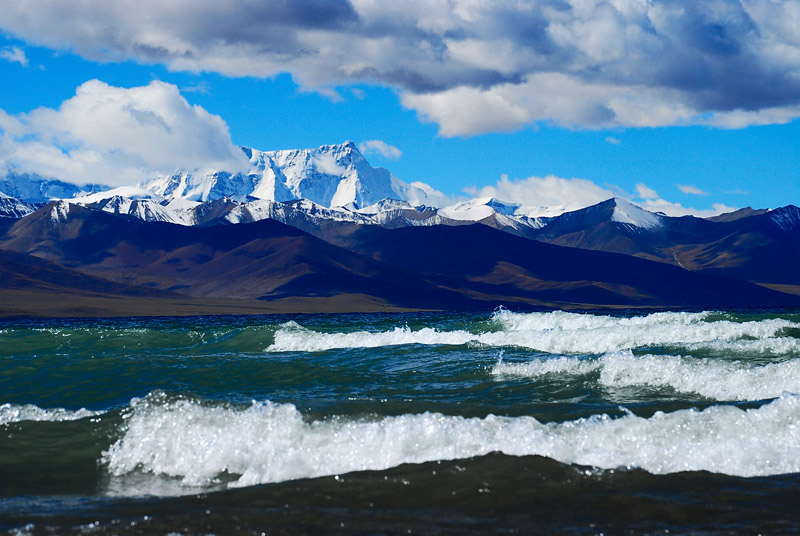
(613, 141)
(559, 98)
(677, 210)
(117, 136)
(430, 196)
(574, 194)
(14, 54)
(380, 147)
(549, 191)
(471, 66)
(646, 193)
(690, 189)
(326, 163)
(466, 111)
(650, 200)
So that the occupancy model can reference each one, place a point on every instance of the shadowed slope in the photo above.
(438, 267)
(479, 254)
(261, 260)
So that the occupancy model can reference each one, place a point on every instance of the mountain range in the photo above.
(323, 230)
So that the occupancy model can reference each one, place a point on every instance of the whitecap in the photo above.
(269, 442)
(716, 379)
(10, 413)
(555, 332)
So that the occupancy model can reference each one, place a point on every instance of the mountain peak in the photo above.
(59, 211)
(787, 218)
(631, 214)
(745, 212)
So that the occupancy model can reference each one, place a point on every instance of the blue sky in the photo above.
(755, 163)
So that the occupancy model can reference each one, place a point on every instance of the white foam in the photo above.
(556, 332)
(10, 413)
(769, 346)
(571, 366)
(711, 378)
(571, 321)
(293, 337)
(269, 442)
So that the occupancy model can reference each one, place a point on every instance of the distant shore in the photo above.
(37, 304)
(26, 304)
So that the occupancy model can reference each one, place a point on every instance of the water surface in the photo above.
(434, 423)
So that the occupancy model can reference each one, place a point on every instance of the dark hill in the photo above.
(439, 267)
(480, 254)
(261, 260)
(754, 245)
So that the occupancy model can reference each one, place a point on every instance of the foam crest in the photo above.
(556, 332)
(563, 320)
(571, 366)
(292, 337)
(710, 378)
(269, 442)
(10, 413)
(769, 346)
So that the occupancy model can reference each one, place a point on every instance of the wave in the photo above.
(555, 332)
(769, 346)
(711, 378)
(10, 413)
(202, 444)
(292, 337)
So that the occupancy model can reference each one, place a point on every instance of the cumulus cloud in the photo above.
(14, 54)
(470, 66)
(613, 141)
(549, 191)
(690, 189)
(380, 147)
(114, 136)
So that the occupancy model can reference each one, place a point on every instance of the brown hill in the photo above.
(267, 262)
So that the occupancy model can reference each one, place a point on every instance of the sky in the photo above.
(681, 106)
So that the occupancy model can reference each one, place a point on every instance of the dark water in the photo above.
(387, 424)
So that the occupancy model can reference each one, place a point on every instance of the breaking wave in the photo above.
(203, 444)
(561, 333)
(10, 413)
(711, 378)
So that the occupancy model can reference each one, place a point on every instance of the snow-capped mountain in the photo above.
(617, 212)
(330, 176)
(145, 204)
(330, 183)
(634, 215)
(32, 188)
(787, 218)
(14, 208)
(500, 214)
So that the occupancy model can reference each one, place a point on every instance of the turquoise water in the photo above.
(434, 423)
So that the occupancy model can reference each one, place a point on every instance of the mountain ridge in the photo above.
(132, 235)
(452, 267)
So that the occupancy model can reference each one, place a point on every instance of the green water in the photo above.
(435, 423)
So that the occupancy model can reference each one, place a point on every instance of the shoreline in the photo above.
(37, 305)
